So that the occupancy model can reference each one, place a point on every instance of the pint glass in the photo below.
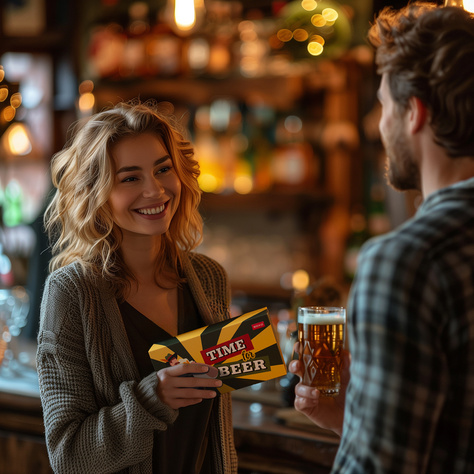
(321, 340)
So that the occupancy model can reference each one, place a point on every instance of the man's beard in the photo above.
(402, 172)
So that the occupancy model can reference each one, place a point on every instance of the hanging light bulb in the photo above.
(185, 16)
(469, 5)
(466, 4)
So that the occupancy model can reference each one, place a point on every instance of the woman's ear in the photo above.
(417, 114)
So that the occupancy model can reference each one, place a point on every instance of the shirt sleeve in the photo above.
(399, 374)
(85, 431)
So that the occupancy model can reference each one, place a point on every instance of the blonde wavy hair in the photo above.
(79, 219)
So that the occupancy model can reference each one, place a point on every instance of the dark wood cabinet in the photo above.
(22, 444)
(264, 444)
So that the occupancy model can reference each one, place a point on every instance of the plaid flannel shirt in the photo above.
(410, 401)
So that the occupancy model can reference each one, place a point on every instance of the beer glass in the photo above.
(321, 339)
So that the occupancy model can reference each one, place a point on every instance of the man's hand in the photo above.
(326, 412)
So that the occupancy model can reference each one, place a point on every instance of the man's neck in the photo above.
(438, 170)
(446, 172)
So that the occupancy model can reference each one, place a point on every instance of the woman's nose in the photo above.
(153, 187)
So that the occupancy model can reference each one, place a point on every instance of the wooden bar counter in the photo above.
(269, 439)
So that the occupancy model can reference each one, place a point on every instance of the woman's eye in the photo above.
(163, 169)
(129, 179)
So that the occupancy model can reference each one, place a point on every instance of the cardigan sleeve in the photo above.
(86, 431)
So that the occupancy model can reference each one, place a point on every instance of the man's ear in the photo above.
(417, 114)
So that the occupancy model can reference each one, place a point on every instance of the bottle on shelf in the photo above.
(106, 45)
(134, 53)
(163, 50)
(13, 204)
(293, 163)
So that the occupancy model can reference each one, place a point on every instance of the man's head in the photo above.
(427, 52)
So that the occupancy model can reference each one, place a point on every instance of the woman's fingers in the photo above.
(187, 384)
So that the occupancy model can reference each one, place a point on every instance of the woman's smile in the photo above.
(153, 211)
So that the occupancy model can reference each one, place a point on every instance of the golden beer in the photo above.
(321, 338)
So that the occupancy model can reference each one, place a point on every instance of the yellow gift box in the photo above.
(243, 349)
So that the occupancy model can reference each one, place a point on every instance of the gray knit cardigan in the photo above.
(99, 416)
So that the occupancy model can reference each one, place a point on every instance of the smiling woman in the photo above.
(124, 221)
(146, 191)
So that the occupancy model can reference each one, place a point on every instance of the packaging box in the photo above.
(243, 349)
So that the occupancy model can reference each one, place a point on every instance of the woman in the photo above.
(124, 220)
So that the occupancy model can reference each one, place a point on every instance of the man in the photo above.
(409, 405)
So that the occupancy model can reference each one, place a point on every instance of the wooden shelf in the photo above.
(280, 91)
(281, 201)
(262, 291)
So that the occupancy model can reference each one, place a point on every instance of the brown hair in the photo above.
(79, 219)
(428, 52)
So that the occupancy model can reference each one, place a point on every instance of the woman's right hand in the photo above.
(187, 384)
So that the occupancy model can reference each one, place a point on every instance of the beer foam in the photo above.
(322, 319)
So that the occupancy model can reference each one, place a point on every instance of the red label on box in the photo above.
(259, 325)
(217, 354)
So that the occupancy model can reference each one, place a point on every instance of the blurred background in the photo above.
(279, 99)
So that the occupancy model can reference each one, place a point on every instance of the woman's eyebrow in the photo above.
(126, 169)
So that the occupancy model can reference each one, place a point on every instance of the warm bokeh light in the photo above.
(318, 39)
(249, 66)
(8, 113)
(15, 100)
(3, 93)
(243, 184)
(248, 35)
(318, 20)
(198, 53)
(300, 280)
(16, 140)
(469, 5)
(300, 34)
(309, 5)
(284, 35)
(329, 14)
(86, 86)
(86, 102)
(184, 14)
(243, 181)
(208, 182)
(315, 49)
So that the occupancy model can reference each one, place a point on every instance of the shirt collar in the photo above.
(465, 187)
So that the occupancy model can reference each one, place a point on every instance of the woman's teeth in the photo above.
(153, 210)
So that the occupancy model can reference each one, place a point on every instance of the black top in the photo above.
(182, 448)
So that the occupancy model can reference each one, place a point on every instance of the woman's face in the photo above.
(146, 190)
